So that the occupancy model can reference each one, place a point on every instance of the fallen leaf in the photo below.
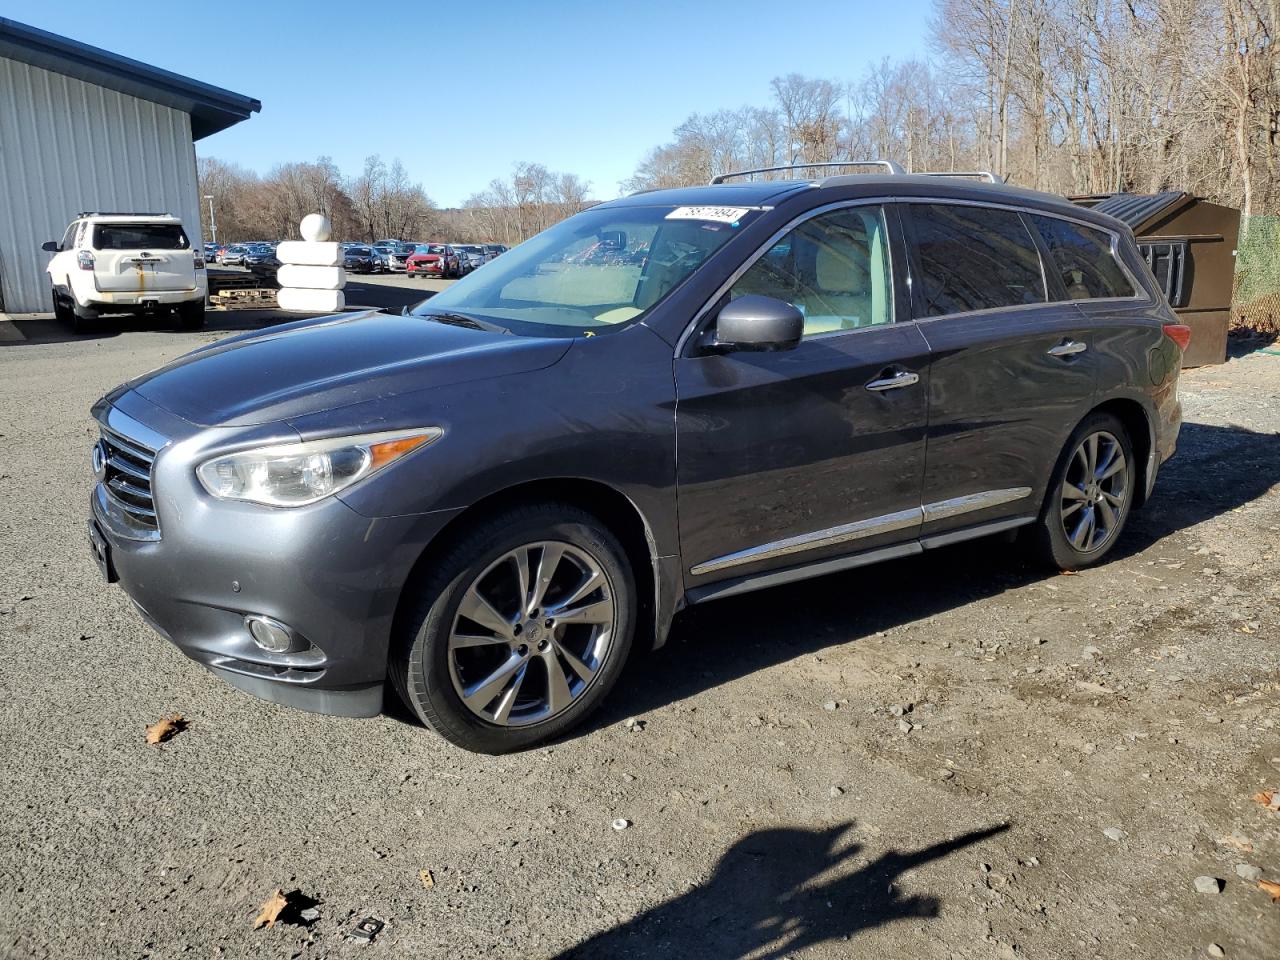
(163, 729)
(271, 910)
(1269, 799)
(427, 879)
(1270, 888)
(1068, 573)
(1244, 846)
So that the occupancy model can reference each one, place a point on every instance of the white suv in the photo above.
(126, 263)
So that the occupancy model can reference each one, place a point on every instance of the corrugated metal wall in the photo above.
(68, 146)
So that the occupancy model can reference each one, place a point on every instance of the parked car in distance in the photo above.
(265, 268)
(470, 256)
(126, 263)
(480, 500)
(210, 252)
(258, 253)
(493, 250)
(434, 260)
(393, 257)
(357, 259)
(235, 255)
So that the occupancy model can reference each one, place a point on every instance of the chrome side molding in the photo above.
(859, 529)
(973, 501)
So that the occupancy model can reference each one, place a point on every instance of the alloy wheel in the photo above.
(531, 633)
(1095, 492)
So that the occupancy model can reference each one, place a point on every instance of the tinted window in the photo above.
(974, 258)
(139, 236)
(833, 268)
(1082, 257)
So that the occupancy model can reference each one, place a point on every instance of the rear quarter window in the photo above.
(974, 258)
(139, 236)
(1083, 259)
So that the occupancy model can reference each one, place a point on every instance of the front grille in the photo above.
(127, 479)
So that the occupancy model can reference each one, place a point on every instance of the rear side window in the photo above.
(139, 236)
(1083, 259)
(974, 258)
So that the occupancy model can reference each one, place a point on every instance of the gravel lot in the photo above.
(951, 756)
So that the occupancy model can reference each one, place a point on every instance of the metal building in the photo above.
(83, 129)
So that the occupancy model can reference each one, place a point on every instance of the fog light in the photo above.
(271, 635)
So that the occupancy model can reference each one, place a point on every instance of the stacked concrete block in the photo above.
(311, 275)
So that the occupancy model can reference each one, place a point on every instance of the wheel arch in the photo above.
(1140, 426)
(656, 597)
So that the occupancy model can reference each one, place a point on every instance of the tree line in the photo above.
(1068, 96)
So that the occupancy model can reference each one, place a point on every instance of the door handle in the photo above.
(900, 379)
(1068, 348)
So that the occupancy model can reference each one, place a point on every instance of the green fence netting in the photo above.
(1255, 301)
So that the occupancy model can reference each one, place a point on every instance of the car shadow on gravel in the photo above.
(775, 893)
(1216, 470)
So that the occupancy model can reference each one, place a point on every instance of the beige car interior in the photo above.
(833, 268)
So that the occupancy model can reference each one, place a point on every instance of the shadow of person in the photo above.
(775, 892)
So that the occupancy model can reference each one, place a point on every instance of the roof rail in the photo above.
(986, 175)
(889, 167)
(119, 213)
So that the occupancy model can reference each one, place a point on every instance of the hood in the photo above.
(312, 365)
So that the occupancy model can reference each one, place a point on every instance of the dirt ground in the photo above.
(953, 756)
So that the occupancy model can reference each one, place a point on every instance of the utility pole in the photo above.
(213, 224)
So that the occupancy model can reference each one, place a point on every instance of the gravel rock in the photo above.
(906, 726)
(1208, 885)
(621, 824)
(1114, 833)
(831, 705)
(1215, 951)
(836, 792)
(1247, 871)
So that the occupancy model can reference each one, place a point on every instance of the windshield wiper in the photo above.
(462, 320)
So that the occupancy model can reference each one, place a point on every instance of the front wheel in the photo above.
(1090, 495)
(519, 631)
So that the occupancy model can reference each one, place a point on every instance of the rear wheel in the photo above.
(1090, 495)
(83, 319)
(61, 312)
(191, 315)
(519, 631)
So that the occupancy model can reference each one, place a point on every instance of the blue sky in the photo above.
(464, 90)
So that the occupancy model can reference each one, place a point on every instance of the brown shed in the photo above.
(1190, 246)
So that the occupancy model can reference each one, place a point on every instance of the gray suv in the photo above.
(669, 398)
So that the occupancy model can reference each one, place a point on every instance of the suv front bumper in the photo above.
(333, 576)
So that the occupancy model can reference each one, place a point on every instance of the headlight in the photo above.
(295, 474)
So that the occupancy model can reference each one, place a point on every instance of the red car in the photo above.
(433, 260)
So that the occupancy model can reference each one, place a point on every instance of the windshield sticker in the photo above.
(715, 214)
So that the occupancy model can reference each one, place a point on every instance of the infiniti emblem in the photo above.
(98, 458)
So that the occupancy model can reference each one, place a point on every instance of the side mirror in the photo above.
(757, 323)
(50, 246)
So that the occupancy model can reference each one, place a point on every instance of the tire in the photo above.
(1078, 529)
(429, 668)
(191, 315)
(83, 320)
(61, 312)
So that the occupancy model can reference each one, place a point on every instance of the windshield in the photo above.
(357, 251)
(428, 248)
(598, 270)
